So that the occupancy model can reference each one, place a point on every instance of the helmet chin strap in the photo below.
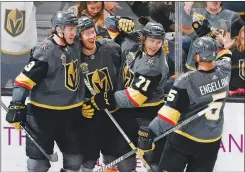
(63, 38)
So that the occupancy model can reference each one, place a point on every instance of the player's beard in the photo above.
(88, 45)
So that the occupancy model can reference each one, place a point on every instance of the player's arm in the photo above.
(131, 97)
(187, 13)
(168, 116)
(31, 75)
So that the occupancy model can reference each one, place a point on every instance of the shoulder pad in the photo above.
(43, 51)
(183, 80)
(108, 43)
(105, 40)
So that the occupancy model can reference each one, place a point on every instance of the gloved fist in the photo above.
(16, 113)
(88, 110)
(145, 140)
(99, 101)
(126, 24)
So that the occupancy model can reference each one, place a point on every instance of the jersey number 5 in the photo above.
(143, 80)
(215, 111)
(171, 95)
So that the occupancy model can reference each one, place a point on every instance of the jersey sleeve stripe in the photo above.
(223, 52)
(187, 30)
(24, 81)
(169, 115)
(135, 97)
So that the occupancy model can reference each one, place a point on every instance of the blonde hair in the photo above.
(240, 47)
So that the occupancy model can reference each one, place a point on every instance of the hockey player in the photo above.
(100, 64)
(197, 143)
(55, 89)
(146, 55)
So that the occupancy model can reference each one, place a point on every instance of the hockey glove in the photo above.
(126, 25)
(145, 140)
(100, 101)
(16, 114)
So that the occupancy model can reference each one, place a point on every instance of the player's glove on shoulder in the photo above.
(16, 114)
(145, 140)
(99, 101)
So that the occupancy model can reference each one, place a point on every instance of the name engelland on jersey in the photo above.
(214, 86)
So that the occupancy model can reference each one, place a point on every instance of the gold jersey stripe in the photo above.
(197, 139)
(190, 67)
(23, 80)
(55, 107)
(223, 52)
(16, 53)
(135, 96)
(169, 114)
(187, 31)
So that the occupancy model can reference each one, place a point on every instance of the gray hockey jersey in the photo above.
(133, 61)
(101, 69)
(53, 76)
(189, 91)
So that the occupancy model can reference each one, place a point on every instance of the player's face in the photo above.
(94, 8)
(213, 5)
(88, 38)
(152, 45)
(69, 33)
(242, 39)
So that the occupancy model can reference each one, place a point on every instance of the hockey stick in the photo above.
(202, 110)
(147, 166)
(52, 157)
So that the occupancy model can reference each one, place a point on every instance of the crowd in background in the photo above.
(19, 32)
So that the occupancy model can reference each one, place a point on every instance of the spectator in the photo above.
(94, 10)
(18, 36)
(218, 19)
(238, 69)
(110, 7)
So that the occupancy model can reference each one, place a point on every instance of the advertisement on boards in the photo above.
(230, 158)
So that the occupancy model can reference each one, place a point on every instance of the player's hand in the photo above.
(16, 114)
(126, 24)
(88, 110)
(145, 140)
(99, 101)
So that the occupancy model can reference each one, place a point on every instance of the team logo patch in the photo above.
(72, 75)
(63, 59)
(151, 62)
(242, 69)
(14, 23)
(130, 58)
(84, 67)
(128, 77)
(100, 80)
